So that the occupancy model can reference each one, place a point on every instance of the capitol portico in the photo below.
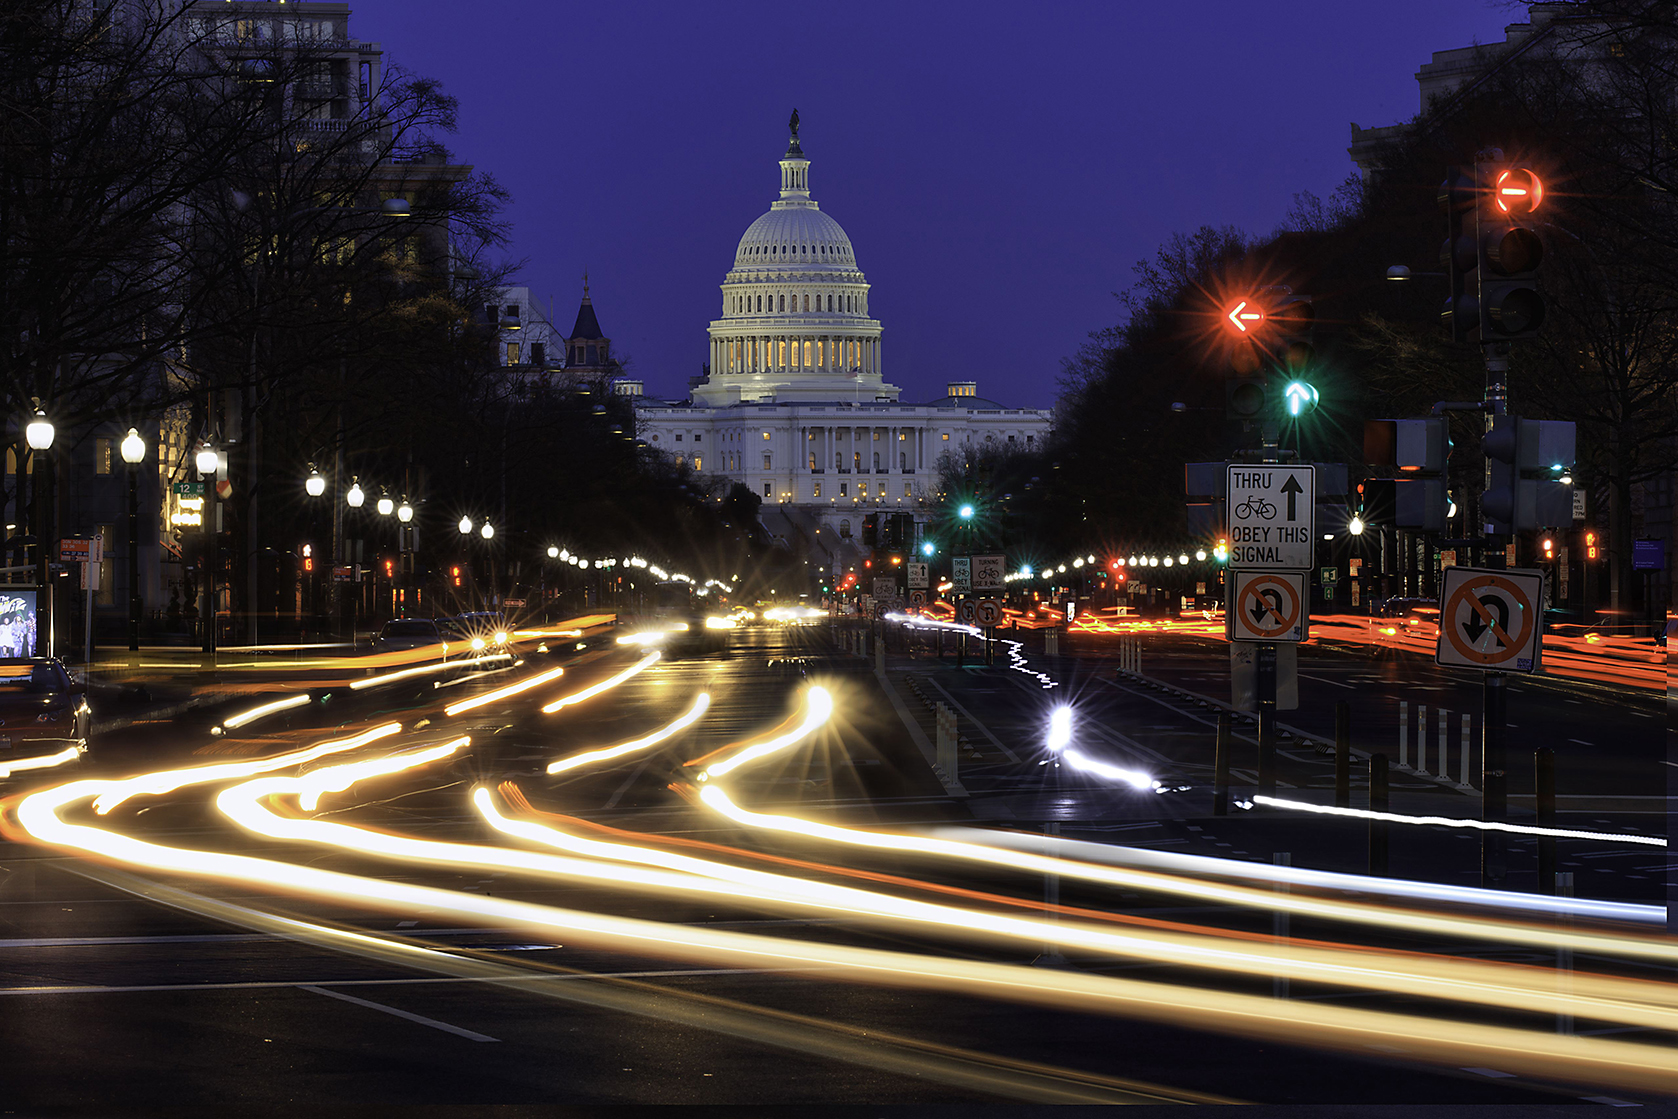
(795, 404)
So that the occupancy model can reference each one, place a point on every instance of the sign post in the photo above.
(1272, 544)
(1492, 620)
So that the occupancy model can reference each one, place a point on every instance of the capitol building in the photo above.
(795, 404)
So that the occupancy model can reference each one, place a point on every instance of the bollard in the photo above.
(1279, 926)
(1444, 743)
(1564, 956)
(1421, 738)
(1342, 755)
(948, 759)
(1378, 803)
(1220, 767)
(1544, 795)
(1467, 781)
(1403, 734)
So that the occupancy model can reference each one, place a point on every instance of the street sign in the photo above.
(961, 573)
(1267, 606)
(919, 574)
(1071, 610)
(987, 612)
(1491, 619)
(1578, 506)
(967, 610)
(1648, 554)
(885, 586)
(1272, 517)
(917, 597)
(224, 489)
(987, 573)
(83, 551)
(187, 489)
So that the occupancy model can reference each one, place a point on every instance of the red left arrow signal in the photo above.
(1245, 315)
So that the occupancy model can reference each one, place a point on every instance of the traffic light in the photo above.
(308, 557)
(1295, 355)
(1522, 461)
(390, 568)
(1459, 256)
(871, 530)
(1418, 449)
(1247, 387)
(1509, 253)
(454, 575)
(1591, 544)
(1549, 546)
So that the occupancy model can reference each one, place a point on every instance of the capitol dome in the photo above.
(795, 306)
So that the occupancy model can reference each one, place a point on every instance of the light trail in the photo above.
(1060, 743)
(337, 778)
(1459, 822)
(818, 709)
(113, 793)
(687, 719)
(426, 669)
(1542, 1054)
(1207, 865)
(252, 714)
(605, 685)
(39, 761)
(516, 688)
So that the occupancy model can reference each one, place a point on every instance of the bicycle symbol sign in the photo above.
(1272, 516)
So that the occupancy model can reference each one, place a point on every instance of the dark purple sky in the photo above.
(999, 167)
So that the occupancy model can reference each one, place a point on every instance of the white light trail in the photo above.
(1458, 822)
(1059, 742)
(687, 719)
(605, 685)
(818, 708)
(40, 761)
(516, 688)
(253, 714)
(425, 669)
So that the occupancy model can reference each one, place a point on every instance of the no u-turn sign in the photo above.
(1491, 619)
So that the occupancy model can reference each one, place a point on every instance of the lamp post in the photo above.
(354, 498)
(207, 460)
(39, 435)
(315, 485)
(488, 533)
(133, 453)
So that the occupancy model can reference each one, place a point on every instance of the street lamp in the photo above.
(357, 496)
(39, 435)
(553, 553)
(207, 460)
(386, 506)
(466, 526)
(133, 453)
(405, 512)
(1355, 526)
(488, 531)
(314, 485)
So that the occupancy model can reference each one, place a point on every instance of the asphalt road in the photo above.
(131, 988)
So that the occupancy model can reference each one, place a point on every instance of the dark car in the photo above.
(410, 633)
(42, 710)
(482, 630)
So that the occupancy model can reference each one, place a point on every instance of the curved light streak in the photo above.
(426, 669)
(605, 685)
(252, 714)
(1459, 822)
(40, 761)
(337, 778)
(513, 689)
(1059, 742)
(113, 793)
(693, 714)
(818, 709)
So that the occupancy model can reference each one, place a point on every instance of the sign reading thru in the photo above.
(1272, 517)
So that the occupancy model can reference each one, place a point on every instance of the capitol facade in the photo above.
(795, 404)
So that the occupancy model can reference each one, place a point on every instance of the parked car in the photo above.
(409, 633)
(42, 710)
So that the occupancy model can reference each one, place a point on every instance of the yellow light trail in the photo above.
(39, 761)
(605, 685)
(512, 689)
(113, 793)
(426, 669)
(251, 715)
(682, 722)
(818, 709)
(337, 778)
(1541, 1054)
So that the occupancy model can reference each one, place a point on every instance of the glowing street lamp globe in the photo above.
(404, 511)
(314, 485)
(466, 526)
(40, 432)
(357, 496)
(386, 506)
(488, 531)
(207, 459)
(553, 553)
(133, 447)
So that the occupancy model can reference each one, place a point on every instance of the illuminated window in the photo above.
(862, 490)
(783, 351)
(946, 437)
(818, 489)
(843, 486)
(512, 353)
(766, 435)
(766, 460)
(856, 461)
(812, 460)
(102, 455)
(698, 463)
(821, 357)
(809, 348)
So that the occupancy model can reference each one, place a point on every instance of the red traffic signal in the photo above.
(1516, 190)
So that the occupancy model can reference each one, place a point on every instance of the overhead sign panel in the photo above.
(1491, 619)
(1267, 606)
(1272, 517)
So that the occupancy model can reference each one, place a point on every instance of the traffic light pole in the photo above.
(1494, 703)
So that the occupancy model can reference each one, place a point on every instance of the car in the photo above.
(43, 710)
(481, 629)
(410, 633)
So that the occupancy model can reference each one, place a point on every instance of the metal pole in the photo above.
(1220, 771)
(1342, 755)
(1544, 789)
(133, 557)
(1494, 781)
(1267, 718)
(1378, 803)
(212, 507)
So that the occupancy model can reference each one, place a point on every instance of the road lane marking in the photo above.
(1325, 680)
(612, 802)
(406, 1015)
(964, 713)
